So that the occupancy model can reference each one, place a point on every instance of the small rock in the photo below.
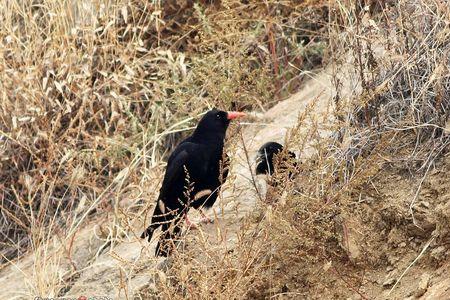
(388, 283)
(425, 204)
(435, 171)
(392, 260)
(402, 245)
(423, 284)
(389, 268)
(369, 199)
(439, 253)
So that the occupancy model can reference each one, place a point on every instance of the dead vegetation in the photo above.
(94, 95)
(342, 216)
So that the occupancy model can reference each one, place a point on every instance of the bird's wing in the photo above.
(172, 178)
(185, 155)
(174, 169)
(179, 149)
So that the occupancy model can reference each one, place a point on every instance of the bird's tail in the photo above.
(170, 221)
(168, 240)
(159, 218)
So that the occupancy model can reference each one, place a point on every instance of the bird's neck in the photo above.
(213, 138)
(210, 141)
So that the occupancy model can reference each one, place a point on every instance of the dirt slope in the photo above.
(122, 270)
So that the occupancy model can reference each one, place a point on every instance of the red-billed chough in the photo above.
(193, 177)
(266, 161)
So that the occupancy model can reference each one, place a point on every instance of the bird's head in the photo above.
(215, 123)
(265, 160)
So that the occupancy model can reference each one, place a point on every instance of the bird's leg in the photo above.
(190, 224)
(205, 218)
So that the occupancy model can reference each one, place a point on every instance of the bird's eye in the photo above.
(218, 116)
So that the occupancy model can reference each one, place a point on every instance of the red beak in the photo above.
(235, 114)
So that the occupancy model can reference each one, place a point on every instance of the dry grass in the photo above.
(95, 94)
(401, 61)
(398, 117)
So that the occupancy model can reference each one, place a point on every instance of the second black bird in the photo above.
(266, 158)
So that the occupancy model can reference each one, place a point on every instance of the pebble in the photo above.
(388, 283)
(439, 253)
(425, 204)
(423, 284)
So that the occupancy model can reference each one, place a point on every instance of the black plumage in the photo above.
(266, 158)
(194, 175)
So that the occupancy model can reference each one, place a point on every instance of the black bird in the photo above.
(266, 158)
(194, 175)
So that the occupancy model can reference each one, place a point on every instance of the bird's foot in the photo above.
(190, 225)
(205, 219)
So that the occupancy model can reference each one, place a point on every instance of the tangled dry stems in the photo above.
(92, 89)
(398, 116)
(94, 96)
